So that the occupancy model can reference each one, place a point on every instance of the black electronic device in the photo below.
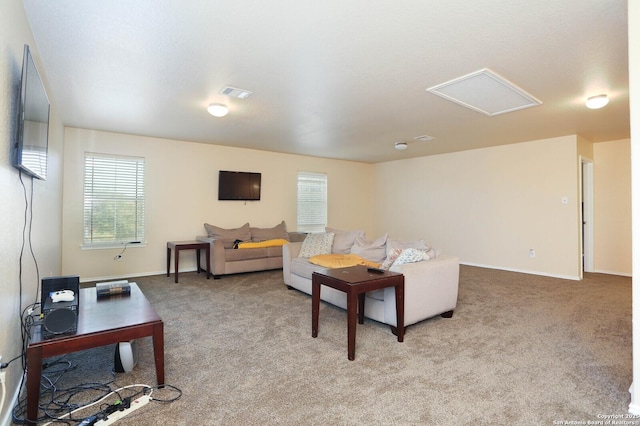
(61, 317)
(29, 152)
(240, 186)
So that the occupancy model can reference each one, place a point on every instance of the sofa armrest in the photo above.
(217, 254)
(296, 237)
(289, 252)
(430, 288)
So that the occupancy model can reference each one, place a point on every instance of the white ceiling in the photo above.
(333, 78)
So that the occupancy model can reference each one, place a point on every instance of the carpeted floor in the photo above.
(519, 350)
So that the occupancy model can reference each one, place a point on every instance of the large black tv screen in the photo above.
(29, 152)
(242, 186)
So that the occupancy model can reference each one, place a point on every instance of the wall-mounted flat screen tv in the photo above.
(243, 186)
(29, 152)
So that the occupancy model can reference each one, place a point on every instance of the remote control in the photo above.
(375, 270)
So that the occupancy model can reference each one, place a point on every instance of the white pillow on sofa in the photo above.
(315, 244)
(343, 240)
(403, 245)
(374, 251)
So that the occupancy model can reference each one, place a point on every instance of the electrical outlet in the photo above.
(532, 253)
(118, 258)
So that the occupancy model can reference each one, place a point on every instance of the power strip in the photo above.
(117, 415)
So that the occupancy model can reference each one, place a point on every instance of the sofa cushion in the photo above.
(316, 244)
(229, 236)
(374, 251)
(339, 260)
(231, 255)
(274, 251)
(300, 266)
(258, 244)
(263, 234)
(343, 240)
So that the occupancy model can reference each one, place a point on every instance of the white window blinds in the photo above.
(113, 199)
(312, 202)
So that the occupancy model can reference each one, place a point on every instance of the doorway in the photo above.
(586, 215)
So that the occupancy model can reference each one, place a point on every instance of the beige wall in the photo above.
(612, 205)
(47, 198)
(181, 195)
(489, 206)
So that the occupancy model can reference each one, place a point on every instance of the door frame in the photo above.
(586, 216)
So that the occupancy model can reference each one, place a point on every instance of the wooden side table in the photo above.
(188, 245)
(355, 281)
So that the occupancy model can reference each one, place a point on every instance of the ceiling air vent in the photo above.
(486, 92)
(234, 92)
(424, 138)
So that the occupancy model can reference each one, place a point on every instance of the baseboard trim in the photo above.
(7, 419)
(523, 271)
(621, 274)
(129, 276)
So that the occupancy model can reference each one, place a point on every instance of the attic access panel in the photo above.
(486, 92)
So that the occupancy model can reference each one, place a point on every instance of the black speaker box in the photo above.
(60, 318)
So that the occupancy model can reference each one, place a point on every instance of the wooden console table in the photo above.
(101, 322)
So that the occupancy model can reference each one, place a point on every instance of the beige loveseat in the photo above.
(431, 286)
(225, 259)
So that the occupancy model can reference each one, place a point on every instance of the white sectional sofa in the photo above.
(431, 287)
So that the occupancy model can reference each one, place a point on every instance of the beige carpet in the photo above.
(519, 350)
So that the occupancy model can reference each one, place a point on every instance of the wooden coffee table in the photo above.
(101, 322)
(355, 281)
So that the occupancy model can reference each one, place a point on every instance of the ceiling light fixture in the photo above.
(596, 102)
(401, 146)
(218, 110)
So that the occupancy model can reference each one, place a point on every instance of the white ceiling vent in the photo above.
(424, 138)
(486, 92)
(234, 92)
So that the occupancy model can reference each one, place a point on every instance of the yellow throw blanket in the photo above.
(260, 244)
(335, 260)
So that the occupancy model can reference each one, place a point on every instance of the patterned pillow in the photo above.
(412, 255)
(315, 244)
(392, 255)
(398, 244)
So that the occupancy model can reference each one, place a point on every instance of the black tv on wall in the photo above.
(240, 186)
(30, 150)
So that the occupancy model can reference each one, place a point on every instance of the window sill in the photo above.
(111, 246)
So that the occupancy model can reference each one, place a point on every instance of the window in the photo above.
(312, 202)
(113, 199)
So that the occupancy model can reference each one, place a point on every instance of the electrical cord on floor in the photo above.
(172, 389)
(63, 404)
(106, 409)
